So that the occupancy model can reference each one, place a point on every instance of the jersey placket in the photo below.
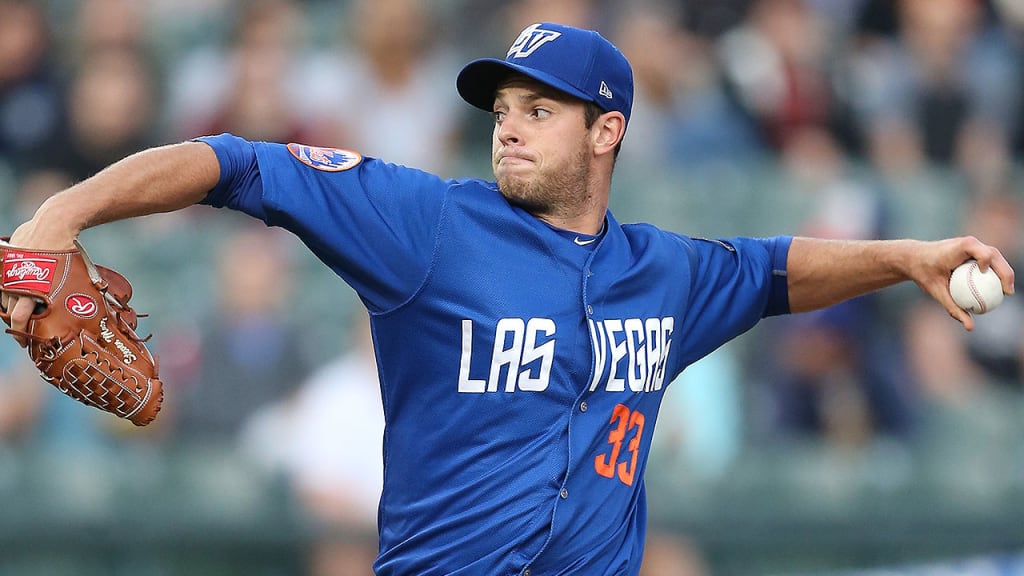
(577, 409)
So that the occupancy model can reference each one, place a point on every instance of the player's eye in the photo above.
(498, 116)
(541, 113)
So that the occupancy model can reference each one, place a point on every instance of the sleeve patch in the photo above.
(326, 159)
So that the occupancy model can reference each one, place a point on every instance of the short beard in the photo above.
(552, 192)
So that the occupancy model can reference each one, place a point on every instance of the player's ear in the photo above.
(608, 132)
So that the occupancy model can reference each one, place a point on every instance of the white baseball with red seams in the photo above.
(973, 290)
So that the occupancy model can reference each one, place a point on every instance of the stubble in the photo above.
(553, 192)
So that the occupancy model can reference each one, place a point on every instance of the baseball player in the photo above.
(524, 336)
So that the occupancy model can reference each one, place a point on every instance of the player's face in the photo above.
(541, 149)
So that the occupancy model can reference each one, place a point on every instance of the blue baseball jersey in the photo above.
(521, 366)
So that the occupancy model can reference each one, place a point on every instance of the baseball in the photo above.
(973, 290)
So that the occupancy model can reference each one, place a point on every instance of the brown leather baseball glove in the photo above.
(81, 335)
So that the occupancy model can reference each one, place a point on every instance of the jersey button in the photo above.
(590, 310)
(564, 493)
(583, 406)
(527, 572)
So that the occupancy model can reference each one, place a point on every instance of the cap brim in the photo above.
(479, 80)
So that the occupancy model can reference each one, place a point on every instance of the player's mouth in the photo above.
(511, 159)
(511, 163)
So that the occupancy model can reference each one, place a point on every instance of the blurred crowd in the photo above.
(833, 118)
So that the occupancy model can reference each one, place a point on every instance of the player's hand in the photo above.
(936, 261)
(31, 234)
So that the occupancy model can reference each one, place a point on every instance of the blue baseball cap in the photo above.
(581, 63)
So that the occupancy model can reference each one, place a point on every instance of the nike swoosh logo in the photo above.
(580, 242)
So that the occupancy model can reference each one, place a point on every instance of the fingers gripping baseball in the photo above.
(989, 257)
(941, 282)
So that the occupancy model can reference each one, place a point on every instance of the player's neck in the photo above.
(585, 218)
(589, 222)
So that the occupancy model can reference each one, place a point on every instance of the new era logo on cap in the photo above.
(581, 63)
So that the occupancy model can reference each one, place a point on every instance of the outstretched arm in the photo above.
(825, 272)
(160, 179)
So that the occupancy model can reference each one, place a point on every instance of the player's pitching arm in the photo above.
(162, 179)
(821, 273)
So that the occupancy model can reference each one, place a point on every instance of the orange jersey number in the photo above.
(607, 464)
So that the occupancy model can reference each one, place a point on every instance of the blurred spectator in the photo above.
(112, 97)
(944, 83)
(253, 86)
(822, 193)
(681, 112)
(327, 440)
(834, 377)
(780, 64)
(251, 351)
(938, 359)
(388, 91)
(30, 89)
(112, 107)
(104, 24)
(836, 374)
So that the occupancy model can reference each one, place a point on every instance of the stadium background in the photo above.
(876, 436)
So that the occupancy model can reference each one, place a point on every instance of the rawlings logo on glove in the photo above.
(82, 334)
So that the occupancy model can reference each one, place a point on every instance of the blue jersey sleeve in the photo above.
(373, 223)
(239, 185)
(737, 282)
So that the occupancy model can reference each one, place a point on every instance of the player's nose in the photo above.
(507, 132)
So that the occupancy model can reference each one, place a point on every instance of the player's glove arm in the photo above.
(162, 179)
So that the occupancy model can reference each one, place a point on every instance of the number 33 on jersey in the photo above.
(629, 355)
